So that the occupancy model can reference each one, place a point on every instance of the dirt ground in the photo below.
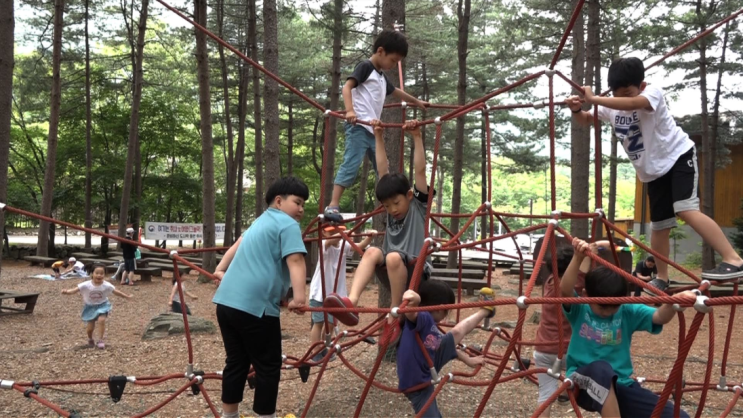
(50, 344)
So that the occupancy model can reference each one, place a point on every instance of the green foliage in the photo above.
(639, 253)
(737, 237)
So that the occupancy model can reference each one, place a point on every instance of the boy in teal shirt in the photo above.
(598, 359)
(255, 275)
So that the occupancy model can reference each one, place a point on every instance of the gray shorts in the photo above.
(547, 384)
(318, 317)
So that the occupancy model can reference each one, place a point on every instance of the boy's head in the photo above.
(393, 190)
(72, 260)
(435, 292)
(603, 282)
(389, 48)
(564, 255)
(650, 262)
(288, 195)
(129, 232)
(627, 77)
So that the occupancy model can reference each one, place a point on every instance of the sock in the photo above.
(268, 416)
(235, 414)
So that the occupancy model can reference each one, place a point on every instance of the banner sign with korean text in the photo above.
(171, 230)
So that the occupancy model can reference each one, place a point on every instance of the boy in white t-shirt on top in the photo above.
(664, 158)
(333, 250)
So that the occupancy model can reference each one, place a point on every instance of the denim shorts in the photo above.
(359, 142)
(319, 317)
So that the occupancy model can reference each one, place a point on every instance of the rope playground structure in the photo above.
(673, 385)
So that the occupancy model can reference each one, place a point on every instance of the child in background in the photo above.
(412, 366)
(255, 275)
(56, 266)
(96, 306)
(333, 251)
(178, 305)
(76, 267)
(599, 360)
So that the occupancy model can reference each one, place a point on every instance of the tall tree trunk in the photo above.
(361, 197)
(271, 92)
(228, 122)
(593, 71)
(42, 248)
(290, 138)
(7, 26)
(137, 211)
(613, 159)
(463, 14)
(709, 143)
(131, 154)
(88, 127)
(580, 141)
(440, 195)
(207, 146)
(334, 93)
(258, 119)
(242, 110)
(393, 11)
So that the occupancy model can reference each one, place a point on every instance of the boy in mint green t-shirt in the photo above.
(598, 359)
(255, 275)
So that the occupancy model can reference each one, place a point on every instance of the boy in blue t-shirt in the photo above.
(255, 275)
(598, 359)
(412, 367)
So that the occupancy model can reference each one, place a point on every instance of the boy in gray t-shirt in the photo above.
(406, 213)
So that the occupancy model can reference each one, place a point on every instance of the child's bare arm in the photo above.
(71, 291)
(617, 103)
(470, 361)
(665, 313)
(574, 104)
(380, 153)
(569, 279)
(227, 259)
(348, 100)
(419, 156)
(119, 293)
(298, 275)
(402, 95)
(173, 289)
(191, 295)
(414, 300)
(368, 240)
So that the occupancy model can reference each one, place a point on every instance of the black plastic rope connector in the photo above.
(27, 393)
(116, 385)
(195, 387)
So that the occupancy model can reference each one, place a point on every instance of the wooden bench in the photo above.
(89, 262)
(115, 254)
(80, 256)
(36, 260)
(468, 285)
(153, 254)
(466, 273)
(716, 290)
(169, 267)
(29, 299)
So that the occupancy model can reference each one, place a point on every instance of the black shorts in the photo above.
(129, 265)
(674, 192)
(594, 382)
(55, 269)
(409, 261)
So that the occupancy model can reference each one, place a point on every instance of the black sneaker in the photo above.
(723, 271)
(332, 214)
(656, 284)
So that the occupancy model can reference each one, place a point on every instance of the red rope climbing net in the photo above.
(673, 384)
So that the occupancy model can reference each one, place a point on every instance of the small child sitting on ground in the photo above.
(598, 359)
(333, 251)
(412, 367)
(56, 266)
(76, 267)
(177, 306)
(96, 304)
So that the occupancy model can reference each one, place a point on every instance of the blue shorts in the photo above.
(319, 317)
(446, 351)
(594, 382)
(359, 142)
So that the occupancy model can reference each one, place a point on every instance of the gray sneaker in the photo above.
(657, 284)
(723, 271)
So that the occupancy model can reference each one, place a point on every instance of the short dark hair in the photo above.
(603, 282)
(97, 265)
(286, 186)
(626, 72)
(435, 292)
(391, 185)
(393, 42)
(650, 258)
(564, 255)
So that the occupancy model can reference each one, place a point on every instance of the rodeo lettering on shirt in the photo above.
(627, 130)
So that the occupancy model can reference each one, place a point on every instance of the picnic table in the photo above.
(29, 299)
(81, 255)
(165, 266)
(154, 254)
(145, 273)
(116, 254)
